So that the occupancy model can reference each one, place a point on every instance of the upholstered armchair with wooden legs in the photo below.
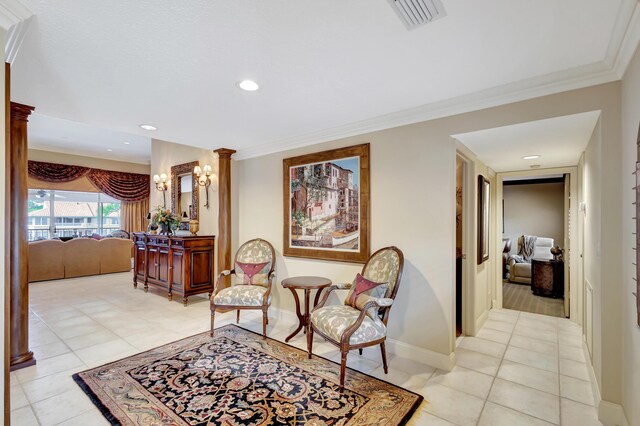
(254, 269)
(362, 320)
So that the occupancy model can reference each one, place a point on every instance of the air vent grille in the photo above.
(415, 13)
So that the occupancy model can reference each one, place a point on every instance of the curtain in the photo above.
(119, 185)
(133, 215)
(52, 172)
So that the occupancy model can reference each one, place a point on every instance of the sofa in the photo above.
(520, 265)
(55, 259)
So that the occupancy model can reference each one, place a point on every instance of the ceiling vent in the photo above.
(415, 13)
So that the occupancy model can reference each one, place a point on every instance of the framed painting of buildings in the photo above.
(326, 205)
(483, 218)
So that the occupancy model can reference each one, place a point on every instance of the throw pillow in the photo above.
(249, 270)
(363, 291)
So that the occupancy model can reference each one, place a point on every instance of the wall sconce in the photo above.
(206, 182)
(161, 185)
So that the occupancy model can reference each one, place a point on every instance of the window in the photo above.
(72, 214)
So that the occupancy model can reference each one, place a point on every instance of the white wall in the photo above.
(630, 332)
(534, 209)
(413, 207)
(4, 247)
(164, 155)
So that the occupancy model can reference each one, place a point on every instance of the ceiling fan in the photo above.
(42, 194)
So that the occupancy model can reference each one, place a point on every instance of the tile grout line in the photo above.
(484, 405)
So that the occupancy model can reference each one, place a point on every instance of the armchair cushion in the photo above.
(246, 271)
(334, 320)
(241, 295)
(254, 252)
(363, 292)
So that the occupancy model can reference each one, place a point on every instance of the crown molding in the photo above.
(14, 39)
(12, 12)
(624, 41)
(562, 81)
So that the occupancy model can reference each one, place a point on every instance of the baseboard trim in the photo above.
(611, 414)
(395, 347)
(422, 355)
(480, 322)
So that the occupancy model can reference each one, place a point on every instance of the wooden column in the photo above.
(21, 356)
(224, 210)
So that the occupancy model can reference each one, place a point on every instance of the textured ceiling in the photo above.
(559, 141)
(321, 64)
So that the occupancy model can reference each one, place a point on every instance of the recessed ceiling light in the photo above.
(109, 149)
(248, 85)
(530, 157)
(148, 127)
(127, 143)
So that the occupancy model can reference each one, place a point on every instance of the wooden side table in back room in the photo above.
(307, 284)
(547, 278)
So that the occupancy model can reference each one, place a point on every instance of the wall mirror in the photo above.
(184, 190)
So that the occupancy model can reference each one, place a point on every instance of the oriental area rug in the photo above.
(239, 378)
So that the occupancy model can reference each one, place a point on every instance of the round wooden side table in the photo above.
(307, 284)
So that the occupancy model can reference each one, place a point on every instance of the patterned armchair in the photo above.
(362, 320)
(254, 271)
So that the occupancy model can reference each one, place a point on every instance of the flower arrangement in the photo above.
(166, 220)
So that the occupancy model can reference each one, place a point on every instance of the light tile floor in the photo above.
(521, 368)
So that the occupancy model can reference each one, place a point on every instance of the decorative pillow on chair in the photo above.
(249, 270)
(364, 291)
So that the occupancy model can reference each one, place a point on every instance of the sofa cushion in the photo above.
(46, 260)
(115, 255)
(82, 257)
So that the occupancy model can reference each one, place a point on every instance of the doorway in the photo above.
(536, 211)
(459, 243)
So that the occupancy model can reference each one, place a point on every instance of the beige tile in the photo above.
(503, 326)
(92, 339)
(457, 407)
(62, 407)
(106, 352)
(46, 387)
(422, 418)
(18, 398)
(534, 345)
(49, 366)
(483, 346)
(576, 414)
(90, 418)
(152, 339)
(533, 402)
(494, 335)
(400, 378)
(569, 339)
(411, 367)
(478, 362)
(547, 336)
(464, 380)
(24, 416)
(50, 350)
(536, 378)
(571, 352)
(574, 369)
(576, 390)
(497, 415)
(532, 359)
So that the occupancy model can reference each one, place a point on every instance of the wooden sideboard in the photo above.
(177, 265)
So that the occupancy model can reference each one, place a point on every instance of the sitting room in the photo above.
(301, 213)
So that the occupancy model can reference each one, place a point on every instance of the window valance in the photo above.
(119, 185)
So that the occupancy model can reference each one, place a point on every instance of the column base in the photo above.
(22, 361)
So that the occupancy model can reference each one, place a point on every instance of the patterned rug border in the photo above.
(114, 422)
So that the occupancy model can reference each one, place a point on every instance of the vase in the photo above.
(165, 229)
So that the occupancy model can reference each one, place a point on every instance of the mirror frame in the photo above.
(176, 189)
